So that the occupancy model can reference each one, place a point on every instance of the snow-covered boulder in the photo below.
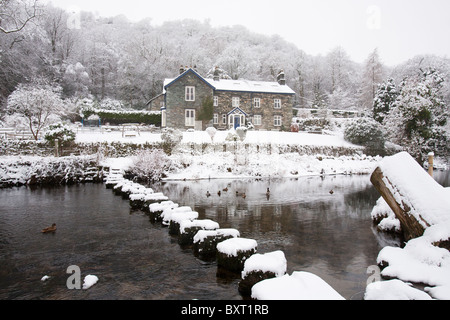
(393, 290)
(155, 209)
(232, 253)
(300, 285)
(188, 229)
(261, 267)
(205, 241)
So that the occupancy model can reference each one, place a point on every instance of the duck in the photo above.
(225, 189)
(331, 191)
(244, 195)
(52, 228)
(268, 192)
(208, 194)
(219, 193)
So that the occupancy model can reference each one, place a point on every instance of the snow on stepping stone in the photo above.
(205, 241)
(188, 229)
(157, 208)
(177, 217)
(232, 253)
(300, 285)
(260, 267)
(393, 290)
(166, 215)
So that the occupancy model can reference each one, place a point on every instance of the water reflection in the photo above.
(328, 233)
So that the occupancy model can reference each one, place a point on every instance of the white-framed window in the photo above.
(189, 93)
(257, 120)
(216, 101)
(277, 121)
(189, 117)
(216, 118)
(224, 119)
(235, 102)
(257, 102)
(277, 103)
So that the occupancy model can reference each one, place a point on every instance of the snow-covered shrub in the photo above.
(232, 136)
(368, 133)
(60, 131)
(171, 138)
(211, 132)
(150, 165)
(241, 132)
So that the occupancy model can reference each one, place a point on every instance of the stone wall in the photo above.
(266, 110)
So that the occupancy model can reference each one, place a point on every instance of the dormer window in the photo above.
(189, 93)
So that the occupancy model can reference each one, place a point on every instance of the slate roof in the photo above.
(237, 85)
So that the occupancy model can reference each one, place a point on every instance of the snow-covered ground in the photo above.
(271, 159)
(274, 137)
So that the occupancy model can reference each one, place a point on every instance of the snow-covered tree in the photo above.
(366, 132)
(39, 104)
(419, 115)
(372, 77)
(384, 99)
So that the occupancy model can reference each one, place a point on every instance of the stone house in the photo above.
(266, 105)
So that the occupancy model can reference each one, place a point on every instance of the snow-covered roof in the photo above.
(238, 85)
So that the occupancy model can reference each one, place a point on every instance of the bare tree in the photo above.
(15, 14)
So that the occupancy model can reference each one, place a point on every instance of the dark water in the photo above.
(330, 235)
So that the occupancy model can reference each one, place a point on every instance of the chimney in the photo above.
(216, 75)
(280, 78)
(181, 69)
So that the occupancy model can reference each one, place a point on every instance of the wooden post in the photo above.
(56, 148)
(430, 163)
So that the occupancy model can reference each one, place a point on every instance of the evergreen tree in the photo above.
(418, 116)
(384, 99)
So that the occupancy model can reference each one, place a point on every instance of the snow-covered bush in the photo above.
(211, 132)
(232, 136)
(171, 138)
(368, 133)
(150, 165)
(60, 131)
(241, 132)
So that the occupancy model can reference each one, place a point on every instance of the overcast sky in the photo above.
(400, 29)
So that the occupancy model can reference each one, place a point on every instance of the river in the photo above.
(327, 233)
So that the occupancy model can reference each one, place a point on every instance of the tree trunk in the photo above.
(411, 228)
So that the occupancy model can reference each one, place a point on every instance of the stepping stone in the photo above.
(189, 228)
(261, 267)
(205, 241)
(232, 253)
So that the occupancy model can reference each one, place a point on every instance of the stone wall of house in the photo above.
(266, 110)
(176, 103)
(156, 103)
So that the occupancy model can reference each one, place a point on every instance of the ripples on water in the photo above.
(330, 235)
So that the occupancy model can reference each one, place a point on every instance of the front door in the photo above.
(237, 121)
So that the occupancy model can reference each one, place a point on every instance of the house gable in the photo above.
(184, 97)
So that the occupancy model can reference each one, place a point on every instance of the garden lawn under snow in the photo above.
(271, 159)
(274, 137)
